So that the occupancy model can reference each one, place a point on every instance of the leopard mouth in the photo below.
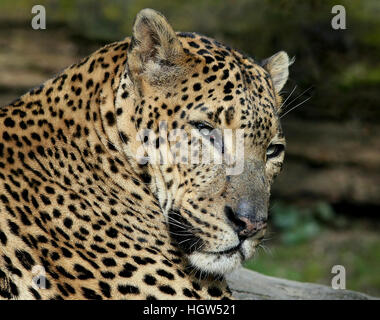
(227, 251)
(256, 239)
(187, 239)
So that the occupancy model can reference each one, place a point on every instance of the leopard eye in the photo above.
(274, 150)
(200, 125)
(207, 131)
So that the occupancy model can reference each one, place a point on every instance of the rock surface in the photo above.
(250, 285)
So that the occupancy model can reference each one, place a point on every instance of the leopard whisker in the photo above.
(184, 241)
(296, 106)
(182, 226)
(291, 93)
(178, 234)
(300, 95)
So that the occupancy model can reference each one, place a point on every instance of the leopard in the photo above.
(83, 217)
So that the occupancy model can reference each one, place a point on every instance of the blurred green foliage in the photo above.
(299, 224)
(305, 242)
(312, 261)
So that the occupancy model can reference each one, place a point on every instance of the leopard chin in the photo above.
(223, 262)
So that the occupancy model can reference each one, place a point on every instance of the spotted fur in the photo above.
(74, 200)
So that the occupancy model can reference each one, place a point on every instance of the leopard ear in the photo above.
(278, 67)
(155, 53)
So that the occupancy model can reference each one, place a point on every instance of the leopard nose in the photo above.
(245, 219)
(250, 228)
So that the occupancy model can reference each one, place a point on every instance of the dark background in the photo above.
(326, 203)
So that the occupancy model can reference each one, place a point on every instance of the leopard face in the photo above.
(195, 88)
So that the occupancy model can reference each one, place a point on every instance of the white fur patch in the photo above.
(217, 264)
(223, 263)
